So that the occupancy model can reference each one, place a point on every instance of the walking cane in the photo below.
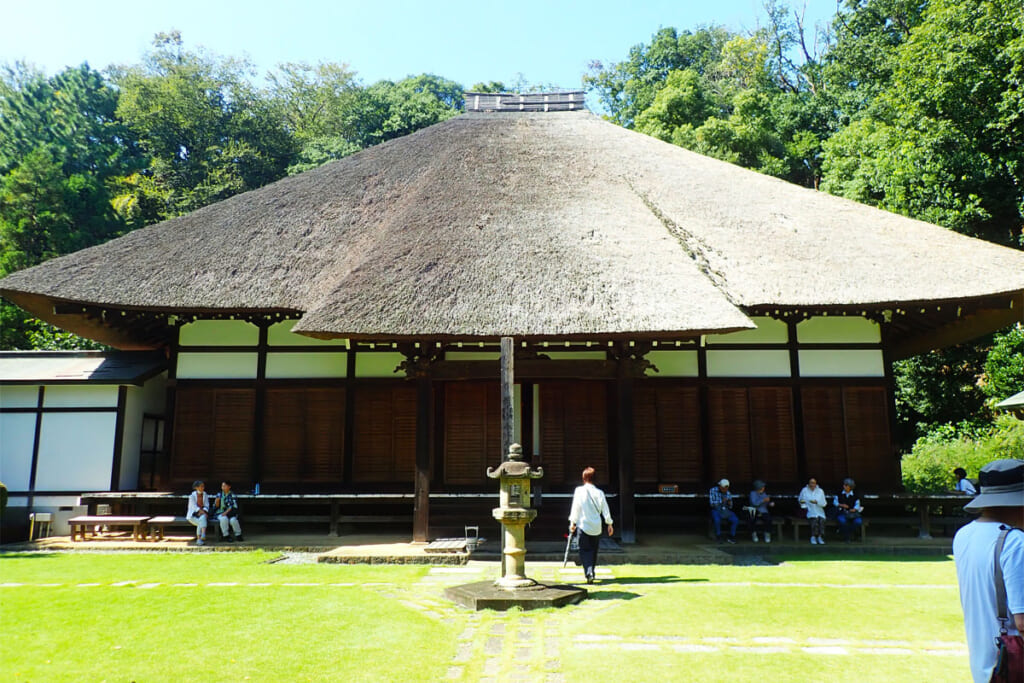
(568, 542)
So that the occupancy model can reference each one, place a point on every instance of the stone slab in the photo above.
(485, 595)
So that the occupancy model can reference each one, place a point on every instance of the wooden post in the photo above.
(421, 509)
(508, 382)
(624, 401)
(508, 424)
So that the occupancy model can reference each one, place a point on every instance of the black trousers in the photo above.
(588, 552)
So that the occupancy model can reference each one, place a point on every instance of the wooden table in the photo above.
(80, 525)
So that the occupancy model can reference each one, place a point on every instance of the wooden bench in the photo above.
(798, 522)
(80, 525)
(778, 522)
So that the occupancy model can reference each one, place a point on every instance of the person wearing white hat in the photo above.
(721, 508)
(1001, 504)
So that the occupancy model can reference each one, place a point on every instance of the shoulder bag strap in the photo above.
(1000, 584)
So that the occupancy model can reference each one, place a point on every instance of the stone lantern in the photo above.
(514, 513)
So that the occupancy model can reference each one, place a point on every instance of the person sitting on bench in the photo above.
(199, 510)
(721, 508)
(227, 513)
(848, 504)
(761, 518)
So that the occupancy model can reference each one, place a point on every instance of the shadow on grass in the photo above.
(21, 555)
(650, 579)
(611, 595)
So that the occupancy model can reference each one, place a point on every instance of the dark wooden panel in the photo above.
(384, 440)
(213, 435)
(824, 434)
(667, 443)
(729, 434)
(304, 430)
(774, 439)
(472, 431)
(574, 431)
(868, 444)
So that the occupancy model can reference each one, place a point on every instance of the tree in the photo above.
(387, 110)
(206, 129)
(1004, 366)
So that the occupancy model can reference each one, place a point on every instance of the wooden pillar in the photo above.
(115, 463)
(37, 435)
(421, 490)
(624, 400)
(508, 383)
(798, 400)
(259, 405)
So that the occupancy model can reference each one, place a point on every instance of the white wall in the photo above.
(289, 365)
(673, 363)
(75, 451)
(219, 333)
(149, 398)
(838, 329)
(842, 363)
(17, 435)
(752, 363)
(80, 396)
(280, 334)
(19, 396)
(768, 331)
(378, 364)
(217, 365)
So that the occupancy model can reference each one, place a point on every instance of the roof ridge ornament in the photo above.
(555, 100)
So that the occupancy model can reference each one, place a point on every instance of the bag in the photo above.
(1009, 648)
(574, 541)
(852, 514)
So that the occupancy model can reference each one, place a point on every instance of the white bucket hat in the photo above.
(1001, 483)
(724, 483)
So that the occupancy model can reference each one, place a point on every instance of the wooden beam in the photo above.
(971, 326)
(508, 383)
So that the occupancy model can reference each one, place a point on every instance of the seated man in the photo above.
(850, 509)
(227, 513)
(721, 508)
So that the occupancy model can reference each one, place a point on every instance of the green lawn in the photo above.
(150, 617)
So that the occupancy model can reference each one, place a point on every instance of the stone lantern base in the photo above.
(486, 595)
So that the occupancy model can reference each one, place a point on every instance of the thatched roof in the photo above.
(550, 224)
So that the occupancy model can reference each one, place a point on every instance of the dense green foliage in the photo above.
(928, 468)
(86, 155)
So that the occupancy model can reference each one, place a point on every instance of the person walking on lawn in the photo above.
(589, 508)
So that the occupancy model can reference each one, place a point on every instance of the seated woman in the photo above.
(761, 519)
(850, 509)
(812, 499)
(199, 510)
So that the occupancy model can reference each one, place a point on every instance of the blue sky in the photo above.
(547, 42)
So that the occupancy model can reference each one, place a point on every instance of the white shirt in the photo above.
(974, 552)
(965, 486)
(193, 503)
(814, 501)
(588, 507)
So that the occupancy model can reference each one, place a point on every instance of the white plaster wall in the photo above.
(285, 365)
(673, 363)
(149, 398)
(76, 451)
(21, 396)
(280, 334)
(842, 363)
(768, 331)
(380, 364)
(80, 396)
(574, 355)
(217, 365)
(748, 363)
(219, 333)
(17, 434)
(838, 329)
